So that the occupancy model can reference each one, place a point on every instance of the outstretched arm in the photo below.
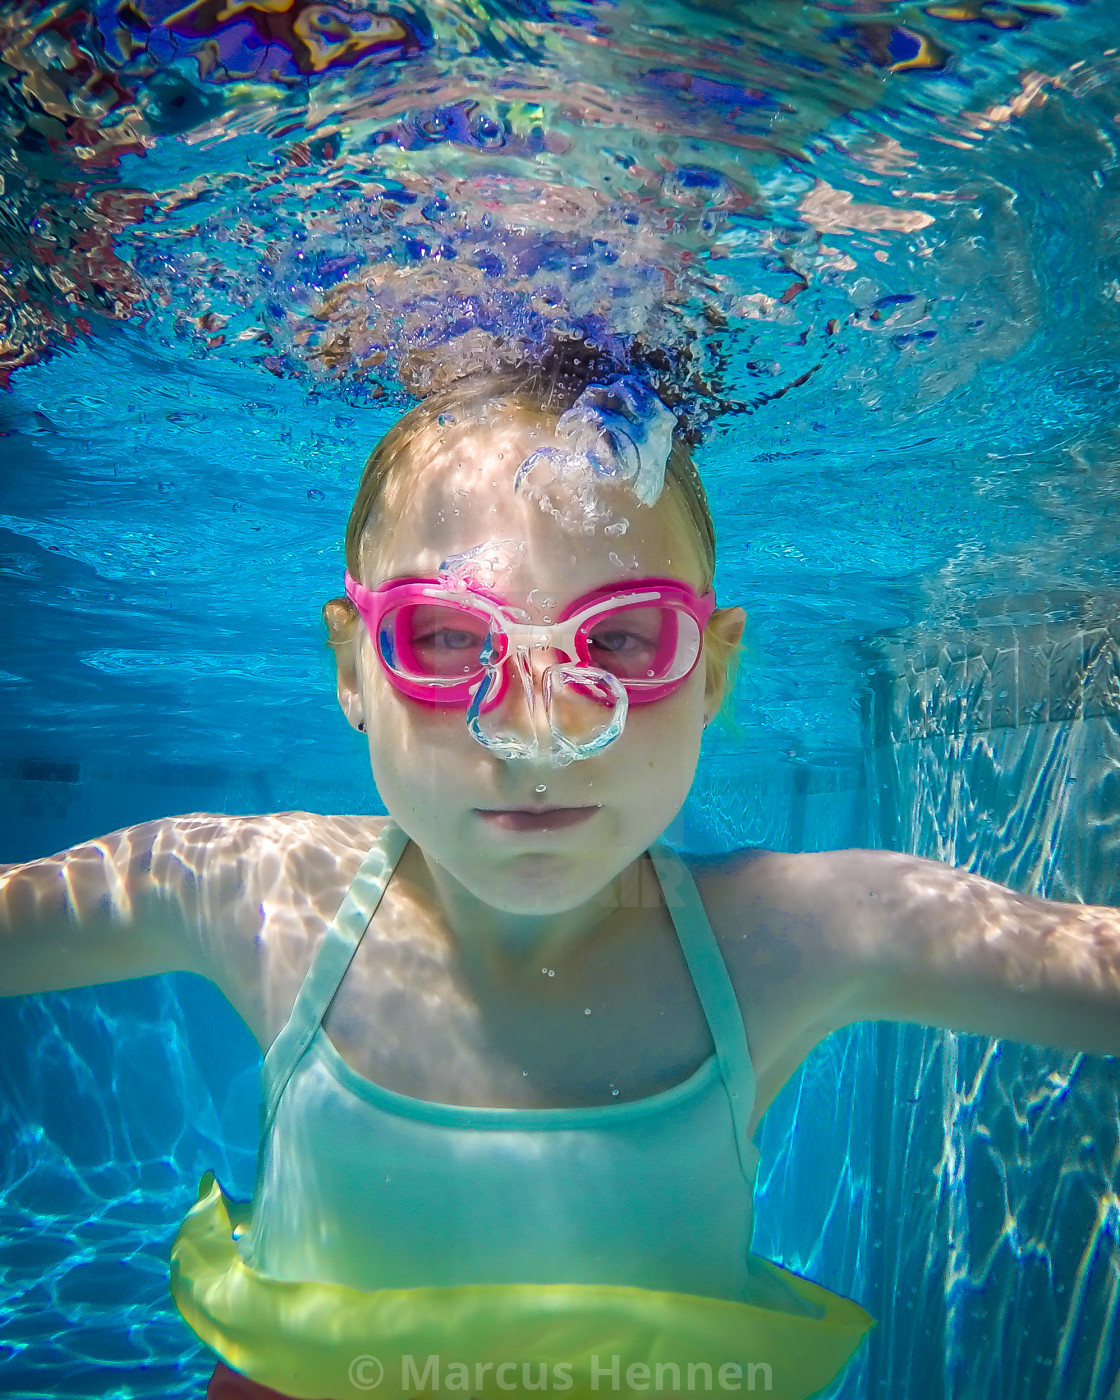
(928, 943)
(125, 905)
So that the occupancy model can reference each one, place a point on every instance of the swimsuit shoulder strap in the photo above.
(328, 967)
(717, 996)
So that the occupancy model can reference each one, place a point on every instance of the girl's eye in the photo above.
(627, 643)
(451, 639)
(616, 642)
(449, 648)
(445, 635)
(623, 652)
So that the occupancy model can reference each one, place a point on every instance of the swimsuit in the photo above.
(586, 1241)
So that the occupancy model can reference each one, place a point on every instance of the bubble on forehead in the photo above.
(486, 440)
(488, 565)
(558, 482)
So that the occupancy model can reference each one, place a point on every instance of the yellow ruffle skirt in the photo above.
(322, 1341)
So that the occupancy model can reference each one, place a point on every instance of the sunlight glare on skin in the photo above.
(977, 938)
(118, 888)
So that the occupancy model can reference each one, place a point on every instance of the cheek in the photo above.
(416, 728)
(412, 740)
(668, 731)
(684, 707)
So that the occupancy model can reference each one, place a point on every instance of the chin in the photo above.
(536, 883)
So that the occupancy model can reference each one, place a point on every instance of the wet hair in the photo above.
(548, 390)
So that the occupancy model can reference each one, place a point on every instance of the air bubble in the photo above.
(540, 787)
(587, 1011)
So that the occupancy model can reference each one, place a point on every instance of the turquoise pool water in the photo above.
(885, 236)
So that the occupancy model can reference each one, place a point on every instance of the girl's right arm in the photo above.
(242, 901)
(126, 905)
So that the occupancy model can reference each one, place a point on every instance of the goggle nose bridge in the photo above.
(549, 636)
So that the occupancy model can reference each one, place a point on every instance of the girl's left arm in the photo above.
(923, 942)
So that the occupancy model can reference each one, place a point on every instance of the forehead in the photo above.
(454, 492)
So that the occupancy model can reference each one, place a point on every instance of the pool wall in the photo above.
(997, 747)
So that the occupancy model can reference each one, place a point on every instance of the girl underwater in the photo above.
(515, 1047)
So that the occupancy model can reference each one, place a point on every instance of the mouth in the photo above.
(535, 818)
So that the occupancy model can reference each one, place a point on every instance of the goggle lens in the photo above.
(433, 642)
(642, 645)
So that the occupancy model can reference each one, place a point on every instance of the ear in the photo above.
(724, 632)
(344, 629)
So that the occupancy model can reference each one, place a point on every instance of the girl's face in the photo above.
(438, 781)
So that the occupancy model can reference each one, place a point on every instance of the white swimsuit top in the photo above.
(360, 1185)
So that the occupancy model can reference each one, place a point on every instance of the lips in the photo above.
(536, 818)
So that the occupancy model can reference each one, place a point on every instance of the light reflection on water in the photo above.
(355, 193)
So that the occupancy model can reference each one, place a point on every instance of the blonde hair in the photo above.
(463, 404)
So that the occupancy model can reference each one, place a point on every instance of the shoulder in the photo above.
(267, 888)
(757, 896)
(218, 842)
(289, 829)
(751, 893)
(794, 978)
(839, 921)
(284, 855)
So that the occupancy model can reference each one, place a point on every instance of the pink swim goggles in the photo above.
(439, 642)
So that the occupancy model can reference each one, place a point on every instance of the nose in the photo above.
(553, 708)
(524, 707)
(517, 726)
